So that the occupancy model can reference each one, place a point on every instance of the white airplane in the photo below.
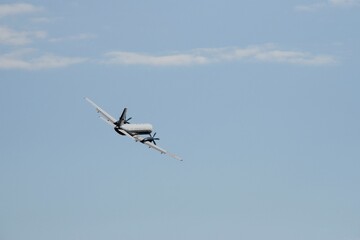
(133, 131)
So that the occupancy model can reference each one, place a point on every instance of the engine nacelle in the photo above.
(143, 128)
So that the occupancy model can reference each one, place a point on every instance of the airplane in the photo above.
(133, 131)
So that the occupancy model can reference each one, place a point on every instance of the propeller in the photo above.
(152, 139)
(127, 120)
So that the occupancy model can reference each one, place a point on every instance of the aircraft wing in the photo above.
(104, 115)
(153, 146)
(137, 138)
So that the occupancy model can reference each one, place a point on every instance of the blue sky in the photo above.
(261, 99)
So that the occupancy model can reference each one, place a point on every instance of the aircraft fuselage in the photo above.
(135, 129)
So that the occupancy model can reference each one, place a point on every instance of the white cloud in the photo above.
(9, 36)
(129, 58)
(29, 59)
(22, 58)
(17, 8)
(265, 53)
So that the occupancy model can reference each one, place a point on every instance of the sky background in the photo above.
(260, 98)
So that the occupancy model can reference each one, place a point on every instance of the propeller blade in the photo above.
(127, 120)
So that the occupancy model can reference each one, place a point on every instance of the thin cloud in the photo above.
(29, 59)
(130, 58)
(264, 53)
(78, 37)
(17, 8)
(345, 2)
(14, 40)
(10, 36)
(326, 4)
(41, 20)
(310, 7)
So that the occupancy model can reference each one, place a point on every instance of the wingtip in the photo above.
(175, 156)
